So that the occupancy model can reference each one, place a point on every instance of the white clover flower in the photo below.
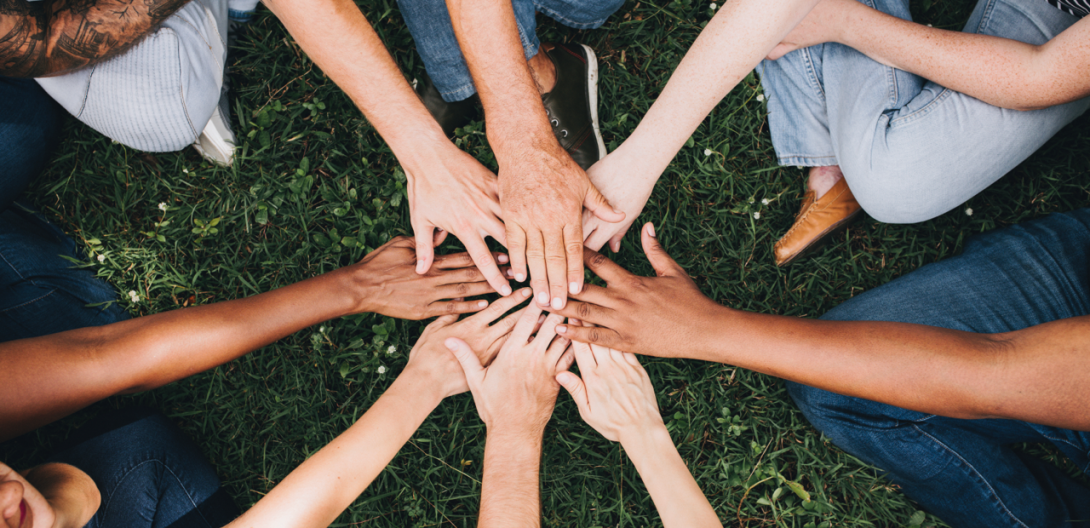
(322, 329)
(101, 258)
(799, 167)
(707, 152)
(162, 206)
(132, 293)
(381, 369)
(757, 215)
(712, 6)
(185, 170)
(764, 201)
(760, 97)
(968, 211)
(391, 350)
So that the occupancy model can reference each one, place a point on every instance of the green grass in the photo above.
(307, 177)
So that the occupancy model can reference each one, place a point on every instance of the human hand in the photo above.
(457, 195)
(386, 282)
(47, 496)
(433, 365)
(615, 396)
(627, 188)
(517, 392)
(823, 24)
(654, 316)
(542, 195)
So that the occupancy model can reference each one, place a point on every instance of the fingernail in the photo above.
(618, 211)
(505, 291)
(451, 343)
(563, 378)
(520, 277)
(558, 303)
(420, 266)
(502, 259)
(574, 288)
(483, 304)
(526, 292)
(651, 230)
(561, 329)
(543, 298)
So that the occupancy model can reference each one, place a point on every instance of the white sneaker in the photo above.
(216, 142)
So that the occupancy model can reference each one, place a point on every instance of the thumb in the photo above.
(425, 248)
(577, 389)
(471, 364)
(663, 264)
(599, 206)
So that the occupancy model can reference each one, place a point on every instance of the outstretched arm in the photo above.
(56, 36)
(616, 398)
(730, 46)
(46, 378)
(448, 189)
(1032, 374)
(1002, 72)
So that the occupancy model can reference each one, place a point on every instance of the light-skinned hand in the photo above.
(457, 196)
(614, 396)
(517, 392)
(652, 316)
(820, 26)
(627, 188)
(542, 194)
(387, 282)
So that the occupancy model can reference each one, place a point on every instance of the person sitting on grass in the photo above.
(930, 377)
(902, 145)
(515, 396)
(135, 469)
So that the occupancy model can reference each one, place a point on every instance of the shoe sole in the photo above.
(821, 239)
(592, 88)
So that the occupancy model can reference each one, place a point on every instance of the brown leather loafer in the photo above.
(816, 222)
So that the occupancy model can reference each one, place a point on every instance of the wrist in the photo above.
(417, 384)
(353, 290)
(519, 431)
(514, 138)
(646, 443)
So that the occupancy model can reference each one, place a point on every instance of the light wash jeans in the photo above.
(429, 23)
(909, 148)
(965, 471)
(158, 95)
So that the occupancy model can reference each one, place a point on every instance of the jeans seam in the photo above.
(47, 294)
(976, 473)
(927, 109)
(812, 72)
(185, 490)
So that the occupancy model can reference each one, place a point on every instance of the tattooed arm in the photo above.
(38, 39)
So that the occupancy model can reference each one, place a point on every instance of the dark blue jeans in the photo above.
(965, 471)
(40, 292)
(149, 474)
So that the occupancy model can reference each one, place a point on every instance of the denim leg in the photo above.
(797, 118)
(963, 470)
(149, 474)
(41, 293)
(30, 127)
(429, 23)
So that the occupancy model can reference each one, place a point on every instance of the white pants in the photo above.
(158, 95)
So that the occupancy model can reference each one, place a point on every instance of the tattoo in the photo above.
(55, 36)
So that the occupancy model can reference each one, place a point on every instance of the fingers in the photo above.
(630, 358)
(584, 357)
(462, 289)
(520, 335)
(481, 256)
(599, 206)
(516, 247)
(573, 248)
(566, 359)
(547, 332)
(603, 267)
(595, 335)
(556, 350)
(453, 308)
(463, 260)
(500, 307)
(556, 268)
(535, 259)
(425, 251)
(471, 364)
(615, 242)
(663, 264)
(589, 312)
(578, 391)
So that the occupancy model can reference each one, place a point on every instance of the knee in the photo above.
(896, 195)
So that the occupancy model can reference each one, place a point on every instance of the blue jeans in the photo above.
(964, 471)
(909, 148)
(429, 23)
(149, 474)
(30, 127)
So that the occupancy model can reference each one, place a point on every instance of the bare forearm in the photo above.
(736, 39)
(52, 37)
(1027, 375)
(316, 492)
(677, 496)
(998, 71)
(340, 40)
(510, 494)
(49, 377)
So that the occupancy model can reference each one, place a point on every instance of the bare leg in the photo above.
(823, 178)
(544, 72)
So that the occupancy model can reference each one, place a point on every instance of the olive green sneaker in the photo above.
(449, 115)
(572, 105)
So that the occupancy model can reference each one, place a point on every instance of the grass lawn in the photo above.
(315, 188)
